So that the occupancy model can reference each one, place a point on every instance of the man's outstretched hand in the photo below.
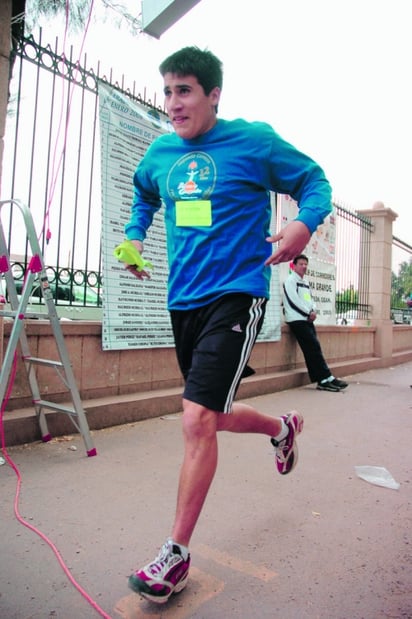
(130, 253)
(292, 241)
(132, 268)
(134, 271)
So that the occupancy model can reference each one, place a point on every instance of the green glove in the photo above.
(126, 252)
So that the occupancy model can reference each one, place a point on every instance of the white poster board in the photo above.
(321, 273)
(135, 312)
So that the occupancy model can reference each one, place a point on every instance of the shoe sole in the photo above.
(299, 427)
(142, 589)
(295, 456)
(295, 451)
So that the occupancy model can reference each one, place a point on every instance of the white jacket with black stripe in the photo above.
(297, 298)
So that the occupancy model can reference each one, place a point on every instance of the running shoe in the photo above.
(167, 574)
(328, 386)
(286, 450)
(339, 383)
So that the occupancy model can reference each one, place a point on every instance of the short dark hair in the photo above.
(300, 257)
(204, 65)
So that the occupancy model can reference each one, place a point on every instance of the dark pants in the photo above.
(305, 334)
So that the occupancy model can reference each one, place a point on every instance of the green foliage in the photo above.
(79, 10)
(346, 300)
(401, 285)
(348, 297)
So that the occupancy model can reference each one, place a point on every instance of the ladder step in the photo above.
(36, 269)
(56, 407)
(13, 313)
(49, 362)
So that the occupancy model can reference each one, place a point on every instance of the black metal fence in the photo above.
(353, 233)
(52, 163)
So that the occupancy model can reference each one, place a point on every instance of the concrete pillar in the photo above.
(380, 276)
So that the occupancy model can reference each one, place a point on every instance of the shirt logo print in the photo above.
(192, 177)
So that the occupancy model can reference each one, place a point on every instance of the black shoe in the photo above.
(328, 386)
(339, 383)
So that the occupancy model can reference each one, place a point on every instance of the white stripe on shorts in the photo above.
(255, 314)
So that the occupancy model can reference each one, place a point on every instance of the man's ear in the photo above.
(215, 95)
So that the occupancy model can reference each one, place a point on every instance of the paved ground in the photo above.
(318, 544)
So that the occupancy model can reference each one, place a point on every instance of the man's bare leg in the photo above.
(200, 427)
(168, 573)
(245, 418)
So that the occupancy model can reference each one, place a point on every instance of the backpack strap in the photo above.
(293, 305)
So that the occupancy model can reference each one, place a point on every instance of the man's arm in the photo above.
(146, 203)
(297, 175)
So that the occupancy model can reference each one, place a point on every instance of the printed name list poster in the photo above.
(134, 312)
(321, 273)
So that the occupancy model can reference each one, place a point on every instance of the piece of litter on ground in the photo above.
(170, 417)
(377, 475)
(2, 461)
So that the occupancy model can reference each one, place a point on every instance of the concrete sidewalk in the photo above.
(317, 544)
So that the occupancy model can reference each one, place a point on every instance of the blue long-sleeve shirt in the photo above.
(231, 170)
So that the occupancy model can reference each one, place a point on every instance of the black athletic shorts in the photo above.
(213, 346)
